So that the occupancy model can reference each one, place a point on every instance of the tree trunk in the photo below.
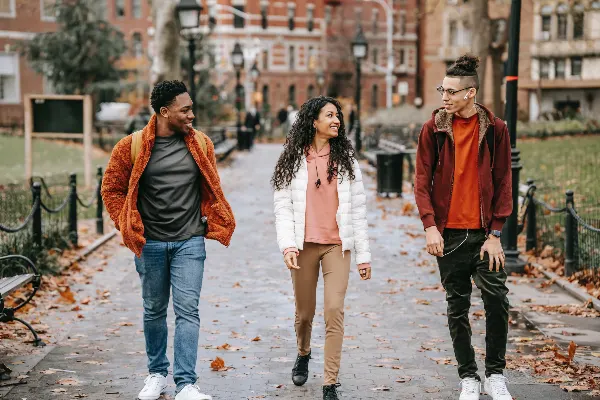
(481, 41)
(497, 77)
(165, 64)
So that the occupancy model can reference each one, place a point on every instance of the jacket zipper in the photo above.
(479, 187)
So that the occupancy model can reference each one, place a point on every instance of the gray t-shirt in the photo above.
(170, 192)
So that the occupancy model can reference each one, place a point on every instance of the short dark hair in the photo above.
(164, 94)
(465, 67)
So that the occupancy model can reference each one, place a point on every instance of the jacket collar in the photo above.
(443, 121)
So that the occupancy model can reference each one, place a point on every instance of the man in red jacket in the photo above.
(464, 195)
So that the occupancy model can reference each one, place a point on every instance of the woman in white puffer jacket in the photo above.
(320, 213)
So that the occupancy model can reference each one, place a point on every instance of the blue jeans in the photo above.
(180, 266)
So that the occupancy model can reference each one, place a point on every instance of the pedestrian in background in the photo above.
(463, 189)
(320, 213)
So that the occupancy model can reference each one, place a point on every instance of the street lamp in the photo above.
(359, 49)
(320, 80)
(509, 234)
(189, 12)
(237, 59)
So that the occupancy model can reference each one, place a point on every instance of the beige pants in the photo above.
(336, 270)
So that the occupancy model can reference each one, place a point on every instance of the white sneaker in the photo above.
(495, 386)
(471, 388)
(191, 392)
(155, 386)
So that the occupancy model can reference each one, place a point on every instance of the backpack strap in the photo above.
(136, 143)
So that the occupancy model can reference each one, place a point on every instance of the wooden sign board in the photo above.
(59, 117)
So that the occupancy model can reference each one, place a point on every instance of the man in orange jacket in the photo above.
(164, 194)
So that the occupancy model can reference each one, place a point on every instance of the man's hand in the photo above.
(291, 260)
(494, 248)
(435, 242)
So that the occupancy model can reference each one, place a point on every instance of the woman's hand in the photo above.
(291, 258)
(365, 271)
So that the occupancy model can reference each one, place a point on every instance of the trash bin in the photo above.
(389, 173)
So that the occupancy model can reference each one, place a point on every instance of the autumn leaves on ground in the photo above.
(396, 335)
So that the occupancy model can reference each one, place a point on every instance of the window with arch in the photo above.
(546, 22)
(561, 21)
(137, 47)
(375, 58)
(578, 21)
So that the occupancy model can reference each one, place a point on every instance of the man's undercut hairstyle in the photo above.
(164, 93)
(465, 68)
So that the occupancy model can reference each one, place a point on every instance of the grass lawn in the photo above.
(50, 159)
(559, 164)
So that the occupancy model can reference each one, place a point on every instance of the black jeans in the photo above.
(456, 270)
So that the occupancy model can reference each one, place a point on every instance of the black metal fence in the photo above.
(36, 220)
(573, 233)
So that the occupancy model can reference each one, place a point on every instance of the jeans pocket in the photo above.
(139, 264)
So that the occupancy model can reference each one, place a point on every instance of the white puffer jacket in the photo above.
(351, 216)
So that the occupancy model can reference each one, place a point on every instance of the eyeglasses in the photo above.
(451, 92)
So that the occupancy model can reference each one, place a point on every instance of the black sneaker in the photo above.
(330, 392)
(300, 370)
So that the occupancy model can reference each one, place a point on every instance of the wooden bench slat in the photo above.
(10, 284)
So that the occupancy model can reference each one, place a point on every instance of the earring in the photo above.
(466, 96)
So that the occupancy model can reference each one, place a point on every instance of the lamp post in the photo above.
(237, 59)
(189, 12)
(509, 234)
(320, 80)
(359, 49)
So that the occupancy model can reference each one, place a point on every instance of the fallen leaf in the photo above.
(68, 382)
(125, 324)
(225, 346)
(86, 301)
(256, 339)
(381, 389)
(66, 296)
(574, 388)
(572, 349)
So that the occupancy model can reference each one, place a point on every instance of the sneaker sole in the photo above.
(153, 398)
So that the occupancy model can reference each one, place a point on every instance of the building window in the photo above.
(375, 59)
(453, 33)
(291, 15)
(401, 57)
(7, 8)
(137, 47)
(264, 14)
(311, 17)
(576, 64)
(238, 22)
(311, 91)
(136, 8)
(561, 14)
(402, 24)
(544, 69)
(9, 82)
(374, 97)
(559, 69)
(48, 9)
(292, 95)
(578, 31)
(546, 22)
(265, 60)
(312, 59)
(119, 8)
(374, 21)
(265, 95)
(292, 58)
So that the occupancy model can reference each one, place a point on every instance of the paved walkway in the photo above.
(396, 344)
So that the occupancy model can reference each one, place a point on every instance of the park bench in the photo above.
(16, 272)
(223, 145)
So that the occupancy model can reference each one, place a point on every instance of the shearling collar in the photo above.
(443, 121)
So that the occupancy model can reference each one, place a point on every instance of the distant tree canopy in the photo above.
(81, 56)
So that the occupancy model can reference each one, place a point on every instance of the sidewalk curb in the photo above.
(569, 287)
(94, 246)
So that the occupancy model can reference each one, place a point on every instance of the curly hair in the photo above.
(465, 67)
(164, 93)
(300, 138)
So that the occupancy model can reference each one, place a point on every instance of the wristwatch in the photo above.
(496, 233)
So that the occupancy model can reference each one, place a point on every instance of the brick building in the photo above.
(21, 19)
